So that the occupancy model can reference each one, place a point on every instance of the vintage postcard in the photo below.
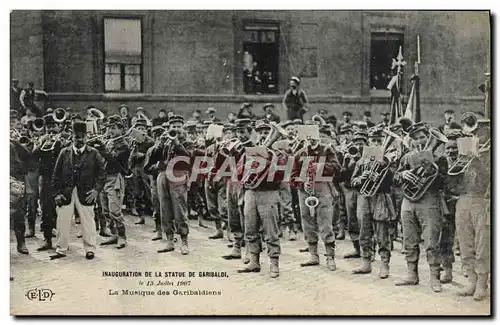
(135, 189)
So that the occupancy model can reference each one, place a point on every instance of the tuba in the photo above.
(253, 181)
(469, 122)
(427, 170)
(59, 115)
(38, 124)
(377, 170)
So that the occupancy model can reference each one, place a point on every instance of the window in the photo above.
(384, 47)
(260, 59)
(123, 55)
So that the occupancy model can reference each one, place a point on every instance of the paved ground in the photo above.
(80, 287)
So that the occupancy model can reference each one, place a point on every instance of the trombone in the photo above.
(462, 163)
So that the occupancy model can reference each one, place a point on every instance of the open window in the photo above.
(260, 58)
(384, 47)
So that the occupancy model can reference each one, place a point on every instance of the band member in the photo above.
(269, 113)
(162, 118)
(47, 157)
(295, 100)
(116, 154)
(451, 197)
(152, 170)
(316, 221)
(346, 119)
(349, 160)
(261, 210)
(422, 216)
(246, 111)
(374, 212)
(139, 115)
(367, 118)
(139, 186)
(79, 176)
(31, 181)
(211, 115)
(235, 191)
(473, 221)
(126, 119)
(449, 118)
(215, 192)
(385, 119)
(172, 183)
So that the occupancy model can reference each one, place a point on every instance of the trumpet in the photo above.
(426, 173)
(462, 163)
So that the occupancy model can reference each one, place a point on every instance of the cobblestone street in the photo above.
(80, 288)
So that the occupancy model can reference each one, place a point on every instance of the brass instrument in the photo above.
(405, 123)
(95, 138)
(95, 115)
(427, 171)
(318, 120)
(38, 124)
(275, 133)
(15, 135)
(462, 163)
(377, 171)
(143, 116)
(50, 144)
(228, 148)
(351, 152)
(59, 115)
(469, 122)
(311, 202)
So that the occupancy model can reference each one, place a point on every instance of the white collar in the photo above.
(78, 151)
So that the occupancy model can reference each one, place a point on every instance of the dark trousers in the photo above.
(31, 195)
(48, 206)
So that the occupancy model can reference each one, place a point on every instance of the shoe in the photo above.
(57, 256)
(170, 245)
(111, 241)
(313, 256)
(89, 255)
(471, 287)
(218, 234)
(133, 211)
(304, 250)
(481, 291)
(447, 275)
(357, 251)
(411, 277)
(184, 246)
(30, 233)
(140, 221)
(274, 270)
(365, 268)
(21, 244)
(158, 236)
(200, 223)
(435, 282)
(340, 235)
(234, 255)
(77, 220)
(105, 232)
(47, 244)
(121, 243)
(292, 235)
(252, 266)
(54, 233)
(79, 234)
(330, 263)
(383, 272)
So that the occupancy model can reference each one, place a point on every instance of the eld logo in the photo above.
(40, 294)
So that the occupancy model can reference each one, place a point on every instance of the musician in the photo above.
(28, 118)
(211, 115)
(451, 197)
(116, 155)
(79, 176)
(449, 117)
(31, 188)
(152, 170)
(139, 185)
(46, 166)
(246, 111)
(374, 212)
(359, 140)
(425, 215)
(346, 119)
(269, 113)
(162, 118)
(231, 117)
(261, 210)
(295, 100)
(318, 225)
(367, 118)
(385, 119)
(473, 219)
(172, 182)
(124, 114)
(196, 116)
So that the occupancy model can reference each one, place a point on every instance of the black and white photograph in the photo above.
(250, 162)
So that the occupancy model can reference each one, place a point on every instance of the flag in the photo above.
(413, 107)
(396, 100)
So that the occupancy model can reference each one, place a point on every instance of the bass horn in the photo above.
(317, 119)
(426, 170)
(469, 122)
(59, 115)
(38, 124)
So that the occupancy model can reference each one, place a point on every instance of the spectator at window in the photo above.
(161, 118)
(231, 117)
(29, 96)
(15, 94)
(295, 100)
(270, 115)
(246, 111)
(126, 119)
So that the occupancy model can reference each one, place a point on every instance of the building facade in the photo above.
(183, 60)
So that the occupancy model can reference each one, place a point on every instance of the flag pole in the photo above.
(417, 84)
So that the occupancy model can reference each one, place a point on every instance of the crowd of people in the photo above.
(385, 181)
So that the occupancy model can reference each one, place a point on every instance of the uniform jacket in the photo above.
(85, 173)
(117, 159)
(163, 154)
(266, 184)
